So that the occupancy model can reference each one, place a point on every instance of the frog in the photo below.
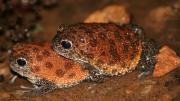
(44, 68)
(107, 48)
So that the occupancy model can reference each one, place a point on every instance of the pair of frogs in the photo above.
(84, 51)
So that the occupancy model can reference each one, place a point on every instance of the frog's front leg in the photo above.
(95, 74)
(41, 87)
(39, 91)
(148, 60)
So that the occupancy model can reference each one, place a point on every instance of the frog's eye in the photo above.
(66, 44)
(21, 62)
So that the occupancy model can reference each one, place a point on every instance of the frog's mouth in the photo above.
(19, 70)
(24, 73)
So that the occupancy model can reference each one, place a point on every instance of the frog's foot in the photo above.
(25, 89)
(29, 88)
(95, 74)
(144, 75)
(36, 91)
(41, 87)
(148, 59)
(96, 78)
(13, 79)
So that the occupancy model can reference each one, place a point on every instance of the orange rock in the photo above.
(113, 13)
(167, 60)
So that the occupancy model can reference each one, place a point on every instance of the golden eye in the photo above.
(21, 62)
(66, 44)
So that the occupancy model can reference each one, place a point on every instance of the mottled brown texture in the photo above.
(35, 49)
(72, 75)
(53, 68)
(49, 65)
(68, 65)
(60, 73)
(46, 53)
(105, 46)
(39, 58)
(35, 69)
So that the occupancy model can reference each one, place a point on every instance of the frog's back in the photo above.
(111, 48)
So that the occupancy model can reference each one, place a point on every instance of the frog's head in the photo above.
(21, 61)
(72, 42)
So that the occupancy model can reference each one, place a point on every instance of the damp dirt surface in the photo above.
(163, 28)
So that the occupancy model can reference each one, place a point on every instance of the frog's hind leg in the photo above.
(95, 74)
(148, 60)
(137, 29)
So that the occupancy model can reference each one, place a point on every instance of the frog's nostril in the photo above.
(66, 44)
(21, 62)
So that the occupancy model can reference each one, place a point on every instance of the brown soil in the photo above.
(123, 88)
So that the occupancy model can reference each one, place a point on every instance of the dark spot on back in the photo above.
(35, 49)
(68, 65)
(103, 53)
(93, 43)
(45, 53)
(114, 53)
(60, 73)
(72, 75)
(117, 36)
(49, 65)
(125, 47)
(39, 58)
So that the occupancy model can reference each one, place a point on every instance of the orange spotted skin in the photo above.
(45, 64)
(110, 48)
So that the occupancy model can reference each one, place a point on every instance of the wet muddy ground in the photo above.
(162, 27)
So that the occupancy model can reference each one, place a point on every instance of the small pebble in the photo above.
(112, 13)
(167, 61)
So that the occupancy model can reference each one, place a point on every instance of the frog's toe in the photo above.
(28, 88)
(13, 79)
(144, 75)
